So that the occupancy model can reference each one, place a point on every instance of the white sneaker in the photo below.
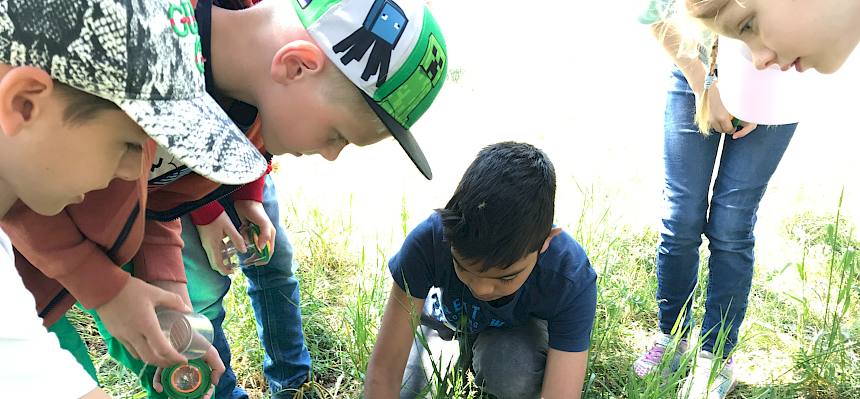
(705, 382)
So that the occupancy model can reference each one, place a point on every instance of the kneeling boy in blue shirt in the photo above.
(492, 270)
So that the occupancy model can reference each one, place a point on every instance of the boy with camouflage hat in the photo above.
(90, 79)
(306, 104)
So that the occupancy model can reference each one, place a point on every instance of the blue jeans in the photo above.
(274, 293)
(507, 362)
(727, 219)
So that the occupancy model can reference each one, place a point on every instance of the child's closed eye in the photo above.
(508, 279)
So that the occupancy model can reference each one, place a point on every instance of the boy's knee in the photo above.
(510, 364)
(511, 380)
(414, 382)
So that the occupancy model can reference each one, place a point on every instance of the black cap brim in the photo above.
(403, 136)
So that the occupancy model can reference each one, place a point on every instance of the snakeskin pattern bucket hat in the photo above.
(146, 57)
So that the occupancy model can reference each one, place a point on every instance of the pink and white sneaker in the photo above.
(646, 363)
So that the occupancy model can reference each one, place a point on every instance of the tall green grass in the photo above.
(799, 338)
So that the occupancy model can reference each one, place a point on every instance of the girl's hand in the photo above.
(720, 118)
(745, 130)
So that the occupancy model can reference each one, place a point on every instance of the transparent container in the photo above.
(190, 334)
(256, 257)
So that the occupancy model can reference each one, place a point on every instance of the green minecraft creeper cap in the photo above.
(392, 50)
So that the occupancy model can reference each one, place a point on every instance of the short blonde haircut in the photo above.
(340, 90)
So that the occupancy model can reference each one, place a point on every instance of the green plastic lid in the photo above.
(186, 381)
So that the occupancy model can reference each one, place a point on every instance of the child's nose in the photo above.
(763, 57)
(331, 152)
(480, 289)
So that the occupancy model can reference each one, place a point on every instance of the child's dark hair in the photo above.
(81, 107)
(503, 207)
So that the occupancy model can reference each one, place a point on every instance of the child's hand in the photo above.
(180, 289)
(212, 237)
(720, 118)
(747, 128)
(253, 212)
(212, 359)
(130, 318)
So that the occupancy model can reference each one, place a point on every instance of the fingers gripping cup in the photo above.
(257, 257)
(190, 334)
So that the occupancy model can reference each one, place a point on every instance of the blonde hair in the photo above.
(705, 9)
(703, 111)
(340, 90)
(689, 20)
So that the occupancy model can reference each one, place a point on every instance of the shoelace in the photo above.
(655, 354)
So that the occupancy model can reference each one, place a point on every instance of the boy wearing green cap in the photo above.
(311, 56)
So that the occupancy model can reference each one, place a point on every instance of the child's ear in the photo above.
(295, 60)
(24, 92)
(552, 233)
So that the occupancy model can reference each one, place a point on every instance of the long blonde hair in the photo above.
(703, 110)
(704, 10)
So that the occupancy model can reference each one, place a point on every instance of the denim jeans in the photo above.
(508, 363)
(727, 218)
(274, 293)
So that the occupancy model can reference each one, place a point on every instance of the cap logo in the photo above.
(434, 60)
(402, 101)
(182, 21)
(382, 29)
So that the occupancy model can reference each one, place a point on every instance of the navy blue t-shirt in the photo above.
(562, 288)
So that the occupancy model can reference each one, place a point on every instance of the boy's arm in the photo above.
(248, 202)
(160, 255)
(211, 238)
(252, 191)
(55, 246)
(385, 369)
(564, 374)
(213, 224)
(206, 214)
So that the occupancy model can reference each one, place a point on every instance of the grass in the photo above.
(799, 338)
